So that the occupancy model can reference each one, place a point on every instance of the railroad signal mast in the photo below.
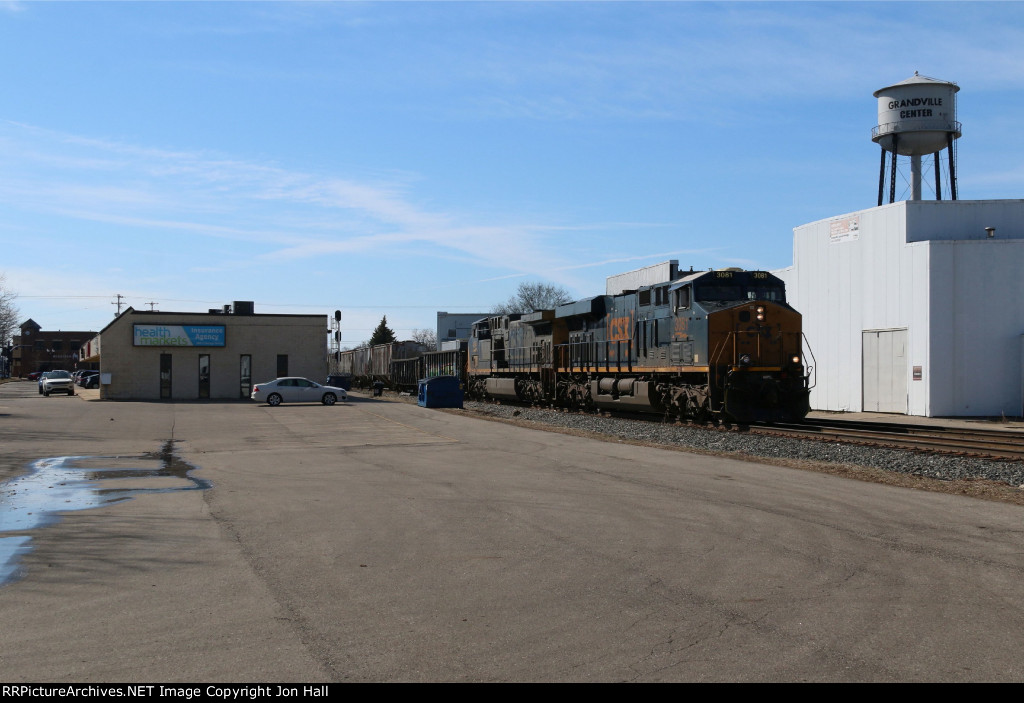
(335, 332)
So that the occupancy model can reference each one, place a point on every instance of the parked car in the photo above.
(296, 390)
(91, 380)
(34, 376)
(57, 382)
(82, 376)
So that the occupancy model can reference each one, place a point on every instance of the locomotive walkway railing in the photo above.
(584, 357)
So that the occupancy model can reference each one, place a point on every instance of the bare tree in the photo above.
(8, 313)
(427, 338)
(533, 296)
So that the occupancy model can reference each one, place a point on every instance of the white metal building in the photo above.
(646, 276)
(915, 307)
(455, 326)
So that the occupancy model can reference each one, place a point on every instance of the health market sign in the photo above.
(178, 335)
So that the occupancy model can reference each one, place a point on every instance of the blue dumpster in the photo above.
(340, 381)
(440, 392)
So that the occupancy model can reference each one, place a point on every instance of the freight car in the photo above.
(400, 365)
(367, 365)
(407, 373)
(712, 344)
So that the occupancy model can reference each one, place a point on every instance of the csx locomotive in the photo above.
(712, 344)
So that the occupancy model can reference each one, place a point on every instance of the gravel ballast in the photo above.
(994, 480)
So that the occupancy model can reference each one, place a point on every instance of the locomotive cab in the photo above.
(748, 341)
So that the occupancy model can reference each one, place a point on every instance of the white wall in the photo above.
(963, 219)
(977, 319)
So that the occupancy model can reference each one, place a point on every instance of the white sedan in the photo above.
(296, 390)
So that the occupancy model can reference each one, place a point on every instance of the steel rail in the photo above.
(997, 444)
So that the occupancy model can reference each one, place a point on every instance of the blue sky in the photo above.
(400, 158)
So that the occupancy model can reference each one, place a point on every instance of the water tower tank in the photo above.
(917, 117)
(920, 111)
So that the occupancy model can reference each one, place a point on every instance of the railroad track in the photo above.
(1007, 445)
(990, 444)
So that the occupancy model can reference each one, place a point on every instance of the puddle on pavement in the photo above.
(57, 485)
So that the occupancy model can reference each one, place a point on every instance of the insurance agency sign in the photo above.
(178, 335)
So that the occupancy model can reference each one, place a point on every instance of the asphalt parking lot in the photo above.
(378, 541)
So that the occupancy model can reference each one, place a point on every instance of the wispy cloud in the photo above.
(286, 214)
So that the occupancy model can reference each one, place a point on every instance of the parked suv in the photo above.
(58, 382)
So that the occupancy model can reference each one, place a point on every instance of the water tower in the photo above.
(917, 117)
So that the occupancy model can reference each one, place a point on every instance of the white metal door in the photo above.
(885, 371)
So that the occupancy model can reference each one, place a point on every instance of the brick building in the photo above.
(36, 349)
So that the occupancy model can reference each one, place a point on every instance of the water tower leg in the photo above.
(952, 167)
(892, 179)
(915, 176)
(938, 180)
(881, 179)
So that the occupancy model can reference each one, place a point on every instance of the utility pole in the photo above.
(152, 306)
(118, 303)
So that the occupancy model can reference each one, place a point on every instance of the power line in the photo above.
(438, 306)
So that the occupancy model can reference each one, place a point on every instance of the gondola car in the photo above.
(407, 373)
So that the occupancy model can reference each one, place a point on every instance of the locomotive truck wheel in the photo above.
(273, 400)
(329, 399)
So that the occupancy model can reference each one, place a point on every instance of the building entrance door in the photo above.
(245, 375)
(204, 375)
(885, 371)
(165, 376)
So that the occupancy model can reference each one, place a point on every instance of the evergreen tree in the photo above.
(383, 334)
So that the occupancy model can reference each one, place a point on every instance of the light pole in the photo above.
(10, 357)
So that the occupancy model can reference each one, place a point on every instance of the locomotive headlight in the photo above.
(760, 314)
(795, 359)
(745, 360)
